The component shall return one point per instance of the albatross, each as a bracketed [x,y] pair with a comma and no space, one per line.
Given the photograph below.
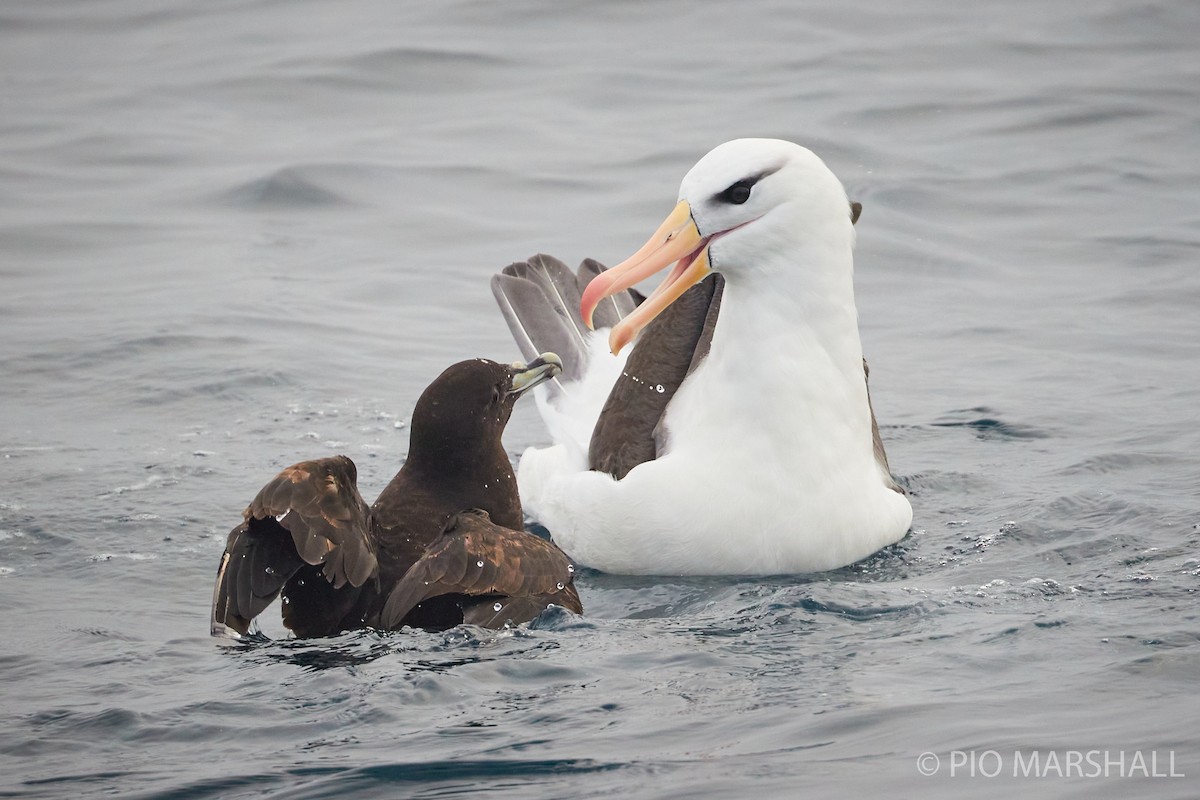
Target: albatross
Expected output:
[736,435]
[443,544]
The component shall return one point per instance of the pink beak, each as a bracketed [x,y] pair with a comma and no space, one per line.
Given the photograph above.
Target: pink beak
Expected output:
[676,241]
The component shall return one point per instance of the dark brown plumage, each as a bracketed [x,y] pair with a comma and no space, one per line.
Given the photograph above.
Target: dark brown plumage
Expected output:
[443,544]
[628,431]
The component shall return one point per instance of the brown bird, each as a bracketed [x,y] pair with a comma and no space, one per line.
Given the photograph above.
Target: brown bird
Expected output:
[444,544]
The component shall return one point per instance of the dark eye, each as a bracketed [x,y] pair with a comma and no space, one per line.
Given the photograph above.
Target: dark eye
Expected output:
[738,193]
[496,395]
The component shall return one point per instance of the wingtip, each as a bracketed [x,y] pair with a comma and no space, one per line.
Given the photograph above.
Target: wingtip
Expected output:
[224,622]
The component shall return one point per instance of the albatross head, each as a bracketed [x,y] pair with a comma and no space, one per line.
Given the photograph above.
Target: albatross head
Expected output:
[741,209]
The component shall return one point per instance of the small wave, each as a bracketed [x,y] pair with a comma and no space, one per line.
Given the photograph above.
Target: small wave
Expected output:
[143,516]
[859,613]
[289,187]
[1108,463]
[151,481]
[387,780]
[986,423]
[962,484]
[1096,509]
[237,385]
[394,60]
[100,557]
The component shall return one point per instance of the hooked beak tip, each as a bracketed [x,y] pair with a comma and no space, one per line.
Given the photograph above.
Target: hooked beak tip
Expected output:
[539,370]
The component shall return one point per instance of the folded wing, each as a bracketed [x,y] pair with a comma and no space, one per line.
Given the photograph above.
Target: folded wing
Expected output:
[484,574]
[629,429]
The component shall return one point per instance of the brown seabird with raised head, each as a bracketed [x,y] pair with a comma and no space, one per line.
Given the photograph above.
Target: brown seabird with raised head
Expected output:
[444,544]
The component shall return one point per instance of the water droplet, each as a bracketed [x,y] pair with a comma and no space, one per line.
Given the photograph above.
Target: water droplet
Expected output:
[287,600]
[659,388]
[560,586]
[300,582]
[498,606]
[270,570]
[571,568]
[479,563]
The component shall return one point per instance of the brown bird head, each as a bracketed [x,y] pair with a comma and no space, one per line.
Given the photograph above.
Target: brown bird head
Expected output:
[462,414]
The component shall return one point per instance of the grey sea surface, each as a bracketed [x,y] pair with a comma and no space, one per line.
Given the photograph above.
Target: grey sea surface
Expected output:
[235,235]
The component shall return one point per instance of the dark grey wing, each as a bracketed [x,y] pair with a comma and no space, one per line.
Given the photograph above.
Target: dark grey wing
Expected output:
[540,298]
[309,516]
[540,302]
[477,564]
[876,439]
[628,431]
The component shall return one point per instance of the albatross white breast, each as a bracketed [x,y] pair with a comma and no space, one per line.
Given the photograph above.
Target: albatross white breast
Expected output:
[766,459]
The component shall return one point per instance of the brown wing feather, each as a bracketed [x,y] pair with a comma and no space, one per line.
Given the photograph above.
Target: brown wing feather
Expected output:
[310,513]
[258,560]
[484,612]
[318,503]
[476,557]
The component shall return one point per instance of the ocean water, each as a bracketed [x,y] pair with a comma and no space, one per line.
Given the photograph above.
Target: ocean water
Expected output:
[238,234]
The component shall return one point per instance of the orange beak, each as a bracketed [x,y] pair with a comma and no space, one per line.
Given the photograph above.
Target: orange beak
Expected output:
[676,240]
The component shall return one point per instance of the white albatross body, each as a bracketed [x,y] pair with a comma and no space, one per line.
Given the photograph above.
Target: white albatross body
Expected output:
[769,464]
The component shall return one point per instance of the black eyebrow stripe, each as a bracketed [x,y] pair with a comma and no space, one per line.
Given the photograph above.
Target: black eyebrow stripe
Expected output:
[765,173]
[751,180]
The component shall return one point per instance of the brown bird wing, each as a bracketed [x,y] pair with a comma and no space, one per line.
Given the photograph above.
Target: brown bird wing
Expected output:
[482,611]
[310,513]
[477,558]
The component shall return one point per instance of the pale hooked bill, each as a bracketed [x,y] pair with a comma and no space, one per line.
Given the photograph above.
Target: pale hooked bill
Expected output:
[735,435]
